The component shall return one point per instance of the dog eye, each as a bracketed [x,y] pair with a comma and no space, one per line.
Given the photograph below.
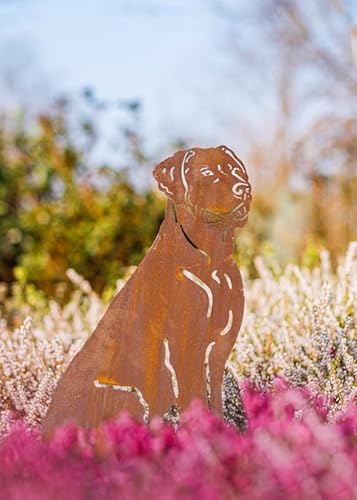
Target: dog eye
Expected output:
[207,173]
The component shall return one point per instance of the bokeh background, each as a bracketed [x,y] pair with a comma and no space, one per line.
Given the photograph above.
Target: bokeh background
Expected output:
[94,93]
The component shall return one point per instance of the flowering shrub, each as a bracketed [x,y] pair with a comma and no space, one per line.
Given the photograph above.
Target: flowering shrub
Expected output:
[299,327]
[288,451]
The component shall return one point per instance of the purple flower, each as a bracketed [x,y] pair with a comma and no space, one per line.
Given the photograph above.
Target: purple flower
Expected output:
[288,451]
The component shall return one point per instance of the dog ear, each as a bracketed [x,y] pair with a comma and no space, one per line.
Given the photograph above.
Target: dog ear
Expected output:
[169,178]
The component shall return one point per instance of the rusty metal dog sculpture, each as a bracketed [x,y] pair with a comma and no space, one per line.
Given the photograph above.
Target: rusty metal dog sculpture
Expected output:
[166,336]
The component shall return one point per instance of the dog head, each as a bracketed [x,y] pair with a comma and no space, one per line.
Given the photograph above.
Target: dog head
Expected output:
[213,182]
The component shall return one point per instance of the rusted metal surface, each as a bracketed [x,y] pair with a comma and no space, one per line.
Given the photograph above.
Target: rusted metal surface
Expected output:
[166,336]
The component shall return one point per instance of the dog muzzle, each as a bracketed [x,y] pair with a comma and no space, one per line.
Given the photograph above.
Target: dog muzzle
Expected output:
[235,217]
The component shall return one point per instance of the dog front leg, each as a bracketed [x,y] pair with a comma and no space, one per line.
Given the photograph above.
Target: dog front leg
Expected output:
[214,367]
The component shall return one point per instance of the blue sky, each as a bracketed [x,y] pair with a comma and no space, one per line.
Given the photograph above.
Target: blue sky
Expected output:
[173,55]
[167,57]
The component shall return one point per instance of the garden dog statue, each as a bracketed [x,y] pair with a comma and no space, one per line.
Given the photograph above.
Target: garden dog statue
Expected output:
[166,336]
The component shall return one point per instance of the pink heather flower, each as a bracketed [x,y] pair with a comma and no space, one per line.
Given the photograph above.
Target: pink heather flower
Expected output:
[288,451]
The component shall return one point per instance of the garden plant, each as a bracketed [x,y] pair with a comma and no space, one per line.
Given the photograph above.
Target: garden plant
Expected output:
[290,416]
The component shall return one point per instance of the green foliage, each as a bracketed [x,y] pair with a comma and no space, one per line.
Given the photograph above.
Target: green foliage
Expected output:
[55,213]
[60,210]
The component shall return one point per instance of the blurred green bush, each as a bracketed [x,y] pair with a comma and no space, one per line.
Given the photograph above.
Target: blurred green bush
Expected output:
[56,213]
[58,210]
